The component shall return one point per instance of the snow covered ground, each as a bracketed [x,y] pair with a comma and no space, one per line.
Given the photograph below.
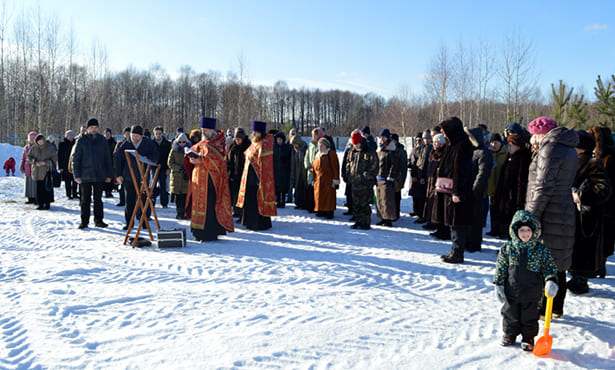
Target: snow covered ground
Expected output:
[307,294]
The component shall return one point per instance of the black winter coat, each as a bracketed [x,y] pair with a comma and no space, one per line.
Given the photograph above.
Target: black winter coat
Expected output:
[91,159]
[456,163]
[164,148]
[512,184]
[235,160]
[64,150]
[282,155]
[549,198]
[592,184]
[147,149]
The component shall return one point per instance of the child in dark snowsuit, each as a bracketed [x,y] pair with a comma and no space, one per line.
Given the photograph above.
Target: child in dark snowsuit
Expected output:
[9,165]
[524,265]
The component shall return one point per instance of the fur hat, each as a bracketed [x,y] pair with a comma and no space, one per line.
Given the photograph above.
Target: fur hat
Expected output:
[542,125]
[356,138]
[136,129]
[209,123]
[195,136]
[426,134]
[586,141]
[92,122]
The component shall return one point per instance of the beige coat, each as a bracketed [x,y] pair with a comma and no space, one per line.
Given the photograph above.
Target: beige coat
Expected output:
[48,154]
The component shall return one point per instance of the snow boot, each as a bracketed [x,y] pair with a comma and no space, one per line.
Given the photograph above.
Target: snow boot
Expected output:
[507,340]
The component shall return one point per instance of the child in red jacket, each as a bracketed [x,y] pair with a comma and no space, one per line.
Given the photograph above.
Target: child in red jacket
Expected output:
[9,166]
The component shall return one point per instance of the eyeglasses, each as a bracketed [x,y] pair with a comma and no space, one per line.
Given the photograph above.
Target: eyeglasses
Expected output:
[183,142]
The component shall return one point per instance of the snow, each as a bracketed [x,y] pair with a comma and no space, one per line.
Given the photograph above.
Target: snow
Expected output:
[308,294]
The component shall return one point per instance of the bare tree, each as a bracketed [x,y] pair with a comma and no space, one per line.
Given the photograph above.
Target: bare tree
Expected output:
[517,73]
[437,81]
[485,71]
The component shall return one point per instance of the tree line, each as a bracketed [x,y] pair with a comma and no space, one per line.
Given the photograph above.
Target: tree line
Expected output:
[49,84]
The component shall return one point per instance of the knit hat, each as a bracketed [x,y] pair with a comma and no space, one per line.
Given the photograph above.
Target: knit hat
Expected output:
[519,225]
[69,132]
[259,126]
[182,137]
[512,128]
[92,122]
[394,137]
[495,137]
[32,133]
[127,129]
[296,140]
[179,129]
[440,139]
[136,129]
[356,138]
[280,135]
[209,123]
[542,125]
[386,133]
[108,130]
[586,141]
[39,137]
[426,134]
[366,130]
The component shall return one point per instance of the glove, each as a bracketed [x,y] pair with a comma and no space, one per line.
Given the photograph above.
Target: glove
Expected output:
[551,289]
[499,292]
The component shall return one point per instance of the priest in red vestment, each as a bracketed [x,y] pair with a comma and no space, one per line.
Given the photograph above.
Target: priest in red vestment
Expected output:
[257,189]
[211,200]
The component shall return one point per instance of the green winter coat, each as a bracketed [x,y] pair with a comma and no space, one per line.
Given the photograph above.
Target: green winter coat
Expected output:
[498,158]
[539,258]
[179,182]
[362,166]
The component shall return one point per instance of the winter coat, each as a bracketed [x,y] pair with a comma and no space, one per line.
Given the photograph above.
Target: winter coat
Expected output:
[605,149]
[64,150]
[482,163]
[345,159]
[456,163]
[178,183]
[594,189]
[111,143]
[402,163]
[9,164]
[433,162]
[164,148]
[25,166]
[146,149]
[388,170]
[512,184]
[47,154]
[91,160]
[236,159]
[549,198]
[499,158]
[326,177]
[417,165]
[310,154]
[282,155]
[371,143]
[299,173]
[362,166]
[330,140]
[523,267]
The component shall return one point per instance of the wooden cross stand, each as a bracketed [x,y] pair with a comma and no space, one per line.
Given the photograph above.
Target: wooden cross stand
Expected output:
[141,188]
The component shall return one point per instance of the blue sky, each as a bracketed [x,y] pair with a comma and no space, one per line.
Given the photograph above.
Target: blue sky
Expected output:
[362,46]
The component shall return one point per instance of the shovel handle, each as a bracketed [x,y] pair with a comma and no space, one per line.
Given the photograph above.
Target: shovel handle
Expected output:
[548,312]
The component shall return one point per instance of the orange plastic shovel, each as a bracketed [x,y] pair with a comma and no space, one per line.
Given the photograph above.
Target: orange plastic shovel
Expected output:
[543,345]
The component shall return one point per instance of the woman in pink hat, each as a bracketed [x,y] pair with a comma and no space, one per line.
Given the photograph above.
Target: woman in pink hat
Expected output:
[549,195]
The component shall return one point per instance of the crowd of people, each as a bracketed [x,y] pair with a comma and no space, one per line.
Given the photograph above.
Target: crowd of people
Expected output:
[545,187]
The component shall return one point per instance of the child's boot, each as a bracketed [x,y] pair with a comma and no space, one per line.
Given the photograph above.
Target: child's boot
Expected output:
[507,340]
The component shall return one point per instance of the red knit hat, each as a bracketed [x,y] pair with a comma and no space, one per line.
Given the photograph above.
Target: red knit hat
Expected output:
[356,138]
[542,125]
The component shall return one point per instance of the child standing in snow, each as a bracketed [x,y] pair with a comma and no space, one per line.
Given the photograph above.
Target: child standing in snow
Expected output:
[523,265]
[9,166]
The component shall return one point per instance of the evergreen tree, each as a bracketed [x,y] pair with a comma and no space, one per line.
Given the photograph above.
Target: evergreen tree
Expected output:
[606,101]
[559,106]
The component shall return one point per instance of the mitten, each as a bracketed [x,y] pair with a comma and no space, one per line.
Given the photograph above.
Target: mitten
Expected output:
[499,292]
[551,289]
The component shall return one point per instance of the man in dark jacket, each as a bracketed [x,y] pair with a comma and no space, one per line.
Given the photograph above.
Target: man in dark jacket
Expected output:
[164,147]
[146,148]
[120,187]
[92,168]
[371,142]
[402,160]
[64,149]
[108,187]
[282,155]
[453,207]
[482,163]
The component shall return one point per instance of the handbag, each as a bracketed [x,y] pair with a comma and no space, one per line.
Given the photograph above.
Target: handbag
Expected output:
[444,185]
[55,177]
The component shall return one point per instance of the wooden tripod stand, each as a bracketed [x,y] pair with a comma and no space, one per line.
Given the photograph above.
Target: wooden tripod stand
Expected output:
[140,188]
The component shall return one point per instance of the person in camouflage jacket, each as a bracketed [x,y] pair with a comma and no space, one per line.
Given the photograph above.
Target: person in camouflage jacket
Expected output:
[361,169]
[522,268]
